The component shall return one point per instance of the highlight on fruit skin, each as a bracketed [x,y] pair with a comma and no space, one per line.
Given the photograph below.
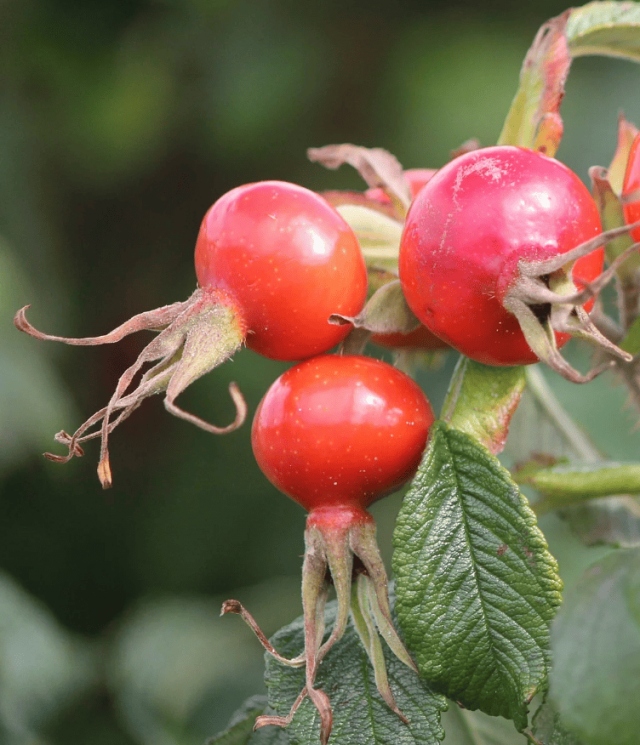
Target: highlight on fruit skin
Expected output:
[336,433]
[501,257]
[273,260]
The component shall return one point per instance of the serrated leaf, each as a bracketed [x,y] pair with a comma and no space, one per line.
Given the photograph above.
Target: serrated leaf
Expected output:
[548,728]
[359,713]
[482,399]
[240,729]
[606,28]
[464,727]
[476,585]
[595,682]
[269,736]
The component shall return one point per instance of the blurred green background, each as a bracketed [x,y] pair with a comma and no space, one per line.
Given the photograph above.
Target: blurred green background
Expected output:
[121,121]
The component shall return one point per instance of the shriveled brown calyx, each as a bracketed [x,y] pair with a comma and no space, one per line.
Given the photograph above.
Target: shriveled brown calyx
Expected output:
[340,549]
[547,286]
[194,337]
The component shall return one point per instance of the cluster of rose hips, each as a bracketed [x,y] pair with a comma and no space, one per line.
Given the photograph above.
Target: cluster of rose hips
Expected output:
[500,258]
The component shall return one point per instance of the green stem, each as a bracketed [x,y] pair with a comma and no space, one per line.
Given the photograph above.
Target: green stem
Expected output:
[565,486]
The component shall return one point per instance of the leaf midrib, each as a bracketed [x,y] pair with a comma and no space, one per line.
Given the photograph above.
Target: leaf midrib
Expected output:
[471,551]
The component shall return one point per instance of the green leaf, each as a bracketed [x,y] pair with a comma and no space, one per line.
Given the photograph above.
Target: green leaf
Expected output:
[481,401]
[379,235]
[595,682]
[548,728]
[534,114]
[464,727]
[563,485]
[476,586]
[359,713]
[240,728]
[603,28]
[611,29]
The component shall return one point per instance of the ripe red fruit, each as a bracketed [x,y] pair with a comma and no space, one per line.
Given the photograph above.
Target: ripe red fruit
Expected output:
[286,260]
[273,262]
[335,434]
[482,257]
[340,431]
[631,187]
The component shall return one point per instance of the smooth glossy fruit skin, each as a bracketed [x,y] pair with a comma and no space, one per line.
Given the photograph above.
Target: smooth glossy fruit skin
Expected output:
[417,178]
[288,261]
[632,184]
[341,431]
[467,230]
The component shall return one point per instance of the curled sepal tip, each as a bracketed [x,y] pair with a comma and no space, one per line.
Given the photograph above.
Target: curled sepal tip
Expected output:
[340,543]
[546,302]
[194,337]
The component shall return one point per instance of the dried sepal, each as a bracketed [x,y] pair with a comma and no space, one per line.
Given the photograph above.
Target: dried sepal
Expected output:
[333,539]
[548,284]
[194,337]
[378,168]
[386,312]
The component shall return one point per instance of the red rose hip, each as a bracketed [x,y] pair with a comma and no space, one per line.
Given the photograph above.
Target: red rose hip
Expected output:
[496,249]
[340,431]
[336,433]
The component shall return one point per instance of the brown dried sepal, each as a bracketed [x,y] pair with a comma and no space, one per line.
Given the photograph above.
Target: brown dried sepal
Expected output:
[378,168]
[333,538]
[194,337]
[386,312]
[549,283]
